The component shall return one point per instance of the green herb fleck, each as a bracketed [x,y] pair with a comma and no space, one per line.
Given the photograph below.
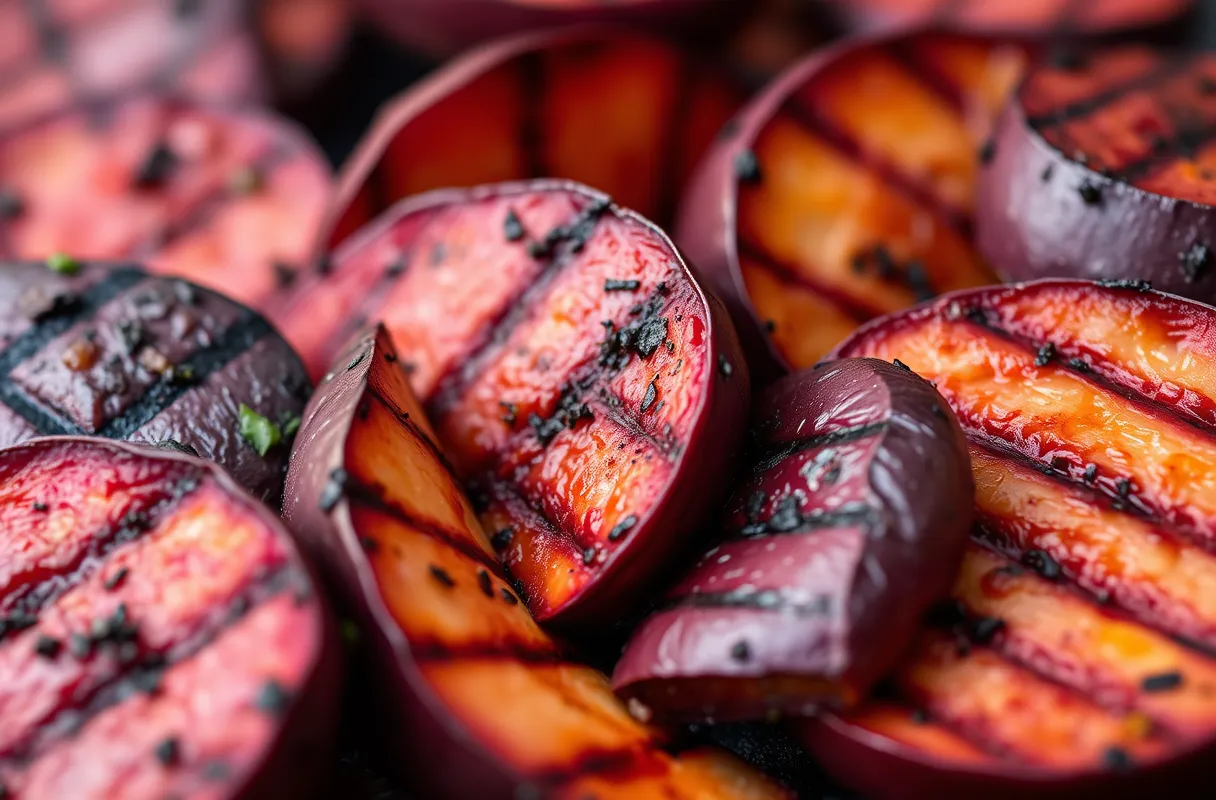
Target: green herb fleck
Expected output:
[259,431]
[63,264]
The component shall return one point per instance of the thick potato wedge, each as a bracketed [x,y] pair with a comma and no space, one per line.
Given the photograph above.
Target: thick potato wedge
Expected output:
[481,702]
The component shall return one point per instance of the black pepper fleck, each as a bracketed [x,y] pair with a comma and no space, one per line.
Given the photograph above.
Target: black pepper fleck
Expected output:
[1116,759]
[1091,193]
[1046,353]
[618,285]
[740,651]
[501,538]
[115,580]
[724,367]
[483,580]
[1162,682]
[589,556]
[11,205]
[1091,473]
[512,227]
[47,646]
[987,152]
[168,752]
[649,398]
[273,698]
[747,167]
[901,365]
[510,598]
[622,527]
[154,170]
[334,490]
[1134,285]
[1042,563]
[441,575]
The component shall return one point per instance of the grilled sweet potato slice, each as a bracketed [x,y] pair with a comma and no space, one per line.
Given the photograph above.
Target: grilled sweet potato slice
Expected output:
[55,54]
[446,28]
[849,526]
[159,634]
[624,113]
[1047,19]
[231,200]
[844,190]
[1078,657]
[484,703]
[1103,167]
[582,384]
[115,352]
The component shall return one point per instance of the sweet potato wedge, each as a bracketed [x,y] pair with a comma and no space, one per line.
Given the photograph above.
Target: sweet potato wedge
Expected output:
[1078,656]
[443,29]
[230,200]
[87,349]
[160,635]
[624,113]
[1044,19]
[1102,168]
[848,528]
[844,190]
[55,54]
[483,702]
[585,388]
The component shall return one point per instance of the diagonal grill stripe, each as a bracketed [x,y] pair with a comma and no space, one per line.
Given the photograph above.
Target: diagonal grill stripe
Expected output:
[248,329]
[26,345]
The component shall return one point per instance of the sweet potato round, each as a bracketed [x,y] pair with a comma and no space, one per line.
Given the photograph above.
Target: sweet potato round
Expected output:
[229,199]
[1077,657]
[161,635]
[1099,170]
[627,114]
[585,387]
[476,700]
[848,525]
[843,191]
[114,352]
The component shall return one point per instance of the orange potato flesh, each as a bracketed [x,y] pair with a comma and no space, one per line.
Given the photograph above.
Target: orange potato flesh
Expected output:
[528,108]
[865,185]
[1095,651]
[481,663]
[1055,415]
[1164,356]
[1014,712]
[76,180]
[1141,567]
[1065,636]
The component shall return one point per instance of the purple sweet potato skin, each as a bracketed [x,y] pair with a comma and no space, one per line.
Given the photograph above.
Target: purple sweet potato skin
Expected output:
[43,314]
[442,28]
[438,757]
[1029,227]
[894,471]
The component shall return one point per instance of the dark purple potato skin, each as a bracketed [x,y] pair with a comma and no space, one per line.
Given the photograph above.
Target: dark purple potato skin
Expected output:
[1029,228]
[883,464]
[443,28]
[231,354]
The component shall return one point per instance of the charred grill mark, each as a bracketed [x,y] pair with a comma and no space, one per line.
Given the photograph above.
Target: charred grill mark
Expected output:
[246,331]
[200,214]
[1191,133]
[927,76]
[374,499]
[142,674]
[776,455]
[532,125]
[626,762]
[853,307]
[1083,108]
[768,600]
[79,309]
[788,519]
[814,123]
[31,598]
[494,335]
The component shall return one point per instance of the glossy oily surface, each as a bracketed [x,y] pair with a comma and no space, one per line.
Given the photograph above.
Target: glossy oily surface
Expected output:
[586,390]
[847,527]
[1077,657]
[161,635]
[482,702]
